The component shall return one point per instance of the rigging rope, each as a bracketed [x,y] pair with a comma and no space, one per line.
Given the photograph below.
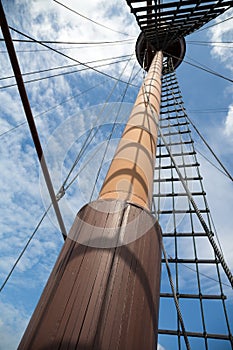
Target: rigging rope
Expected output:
[25,247]
[215,24]
[69,57]
[208,69]
[207,159]
[208,110]
[202,68]
[207,145]
[64,73]
[28,113]
[208,42]
[64,67]
[176,301]
[89,19]
[175,297]
[84,147]
[203,139]
[69,48]
[72,42]
[79,156]
[61,191]
[203,274]
[211,45]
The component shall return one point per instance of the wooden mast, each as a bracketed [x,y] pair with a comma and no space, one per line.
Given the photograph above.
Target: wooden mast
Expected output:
[103,292]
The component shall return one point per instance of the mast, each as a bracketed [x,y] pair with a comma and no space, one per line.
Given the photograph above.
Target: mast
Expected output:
[104,289]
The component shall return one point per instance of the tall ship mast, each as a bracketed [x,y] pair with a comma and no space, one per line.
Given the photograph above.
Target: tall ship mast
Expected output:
[141,266]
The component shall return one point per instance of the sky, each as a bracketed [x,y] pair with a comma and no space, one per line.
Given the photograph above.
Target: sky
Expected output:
[65,108]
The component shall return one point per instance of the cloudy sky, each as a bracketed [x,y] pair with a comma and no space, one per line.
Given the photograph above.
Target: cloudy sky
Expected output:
[66,107]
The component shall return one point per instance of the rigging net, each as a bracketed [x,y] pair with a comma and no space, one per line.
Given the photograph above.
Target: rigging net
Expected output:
[191,258]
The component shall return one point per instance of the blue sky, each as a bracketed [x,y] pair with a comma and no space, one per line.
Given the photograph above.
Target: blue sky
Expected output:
[62,130]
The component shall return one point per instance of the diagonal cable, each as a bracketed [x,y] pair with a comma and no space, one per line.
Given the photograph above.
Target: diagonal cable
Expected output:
[89,19]
[29,116]
[69,57]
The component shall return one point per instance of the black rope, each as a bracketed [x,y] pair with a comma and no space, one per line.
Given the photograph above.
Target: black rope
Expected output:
[66,66]
[208,110]
[207,159]
[208,42]
[211,45]
[209,69]
[84,46]
[59,195]
[63,73]
[70,58]
[86,144]
[72,42]
[215,24]
[204,69]
[89,19]
[209,148]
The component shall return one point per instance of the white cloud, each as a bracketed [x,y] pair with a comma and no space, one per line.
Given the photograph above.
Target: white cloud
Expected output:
[228,127]
[13,320]
[219,34]
[222,34]
[160,347]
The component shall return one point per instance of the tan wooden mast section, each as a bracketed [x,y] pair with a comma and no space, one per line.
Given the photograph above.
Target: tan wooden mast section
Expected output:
[130,176]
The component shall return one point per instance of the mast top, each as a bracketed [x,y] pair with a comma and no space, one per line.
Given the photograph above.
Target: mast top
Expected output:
[145,51]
